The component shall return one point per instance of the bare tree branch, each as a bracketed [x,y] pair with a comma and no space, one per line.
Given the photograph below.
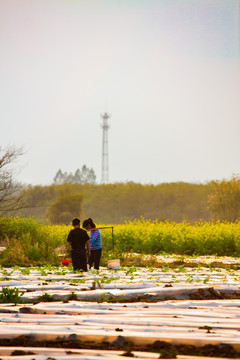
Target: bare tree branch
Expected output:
[10,199]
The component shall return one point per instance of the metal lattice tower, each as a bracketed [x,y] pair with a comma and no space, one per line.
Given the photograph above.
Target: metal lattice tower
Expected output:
[105,128]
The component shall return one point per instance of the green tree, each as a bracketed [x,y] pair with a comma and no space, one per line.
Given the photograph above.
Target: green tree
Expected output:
[224,202]
[66,207]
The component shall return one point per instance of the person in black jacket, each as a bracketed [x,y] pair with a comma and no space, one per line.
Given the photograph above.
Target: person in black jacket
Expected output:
[79,240]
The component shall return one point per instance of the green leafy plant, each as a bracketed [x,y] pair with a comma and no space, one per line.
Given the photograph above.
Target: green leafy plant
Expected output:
[46,298]
[131,270]
[43,272]
[199,267]
[10,295]
[63,272]
[72,296]
[206,280]
[102,298]
[165,268]
[181,269]
[25,271]
[7,273]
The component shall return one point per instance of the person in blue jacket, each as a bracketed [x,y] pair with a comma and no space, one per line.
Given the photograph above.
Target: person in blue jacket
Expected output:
[95,243]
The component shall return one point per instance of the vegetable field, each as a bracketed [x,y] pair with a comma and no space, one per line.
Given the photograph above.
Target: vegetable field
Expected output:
[183,312]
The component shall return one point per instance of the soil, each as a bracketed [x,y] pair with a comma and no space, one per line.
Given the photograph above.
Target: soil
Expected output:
[165,349]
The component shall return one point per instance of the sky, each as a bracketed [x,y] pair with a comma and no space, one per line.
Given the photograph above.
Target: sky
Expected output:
[167,72]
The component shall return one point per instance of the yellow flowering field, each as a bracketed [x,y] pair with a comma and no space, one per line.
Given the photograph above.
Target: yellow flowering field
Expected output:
[27,241]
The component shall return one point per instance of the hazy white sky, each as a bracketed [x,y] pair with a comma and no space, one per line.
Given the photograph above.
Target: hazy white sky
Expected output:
[167,71]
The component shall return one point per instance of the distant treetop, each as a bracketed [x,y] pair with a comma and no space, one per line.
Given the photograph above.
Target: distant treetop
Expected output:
[85,175]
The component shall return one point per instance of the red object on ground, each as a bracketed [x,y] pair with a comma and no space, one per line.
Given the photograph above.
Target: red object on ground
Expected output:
[65,262]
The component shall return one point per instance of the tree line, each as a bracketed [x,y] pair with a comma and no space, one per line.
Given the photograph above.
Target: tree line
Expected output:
[118,203]
[85,175]
[79,195]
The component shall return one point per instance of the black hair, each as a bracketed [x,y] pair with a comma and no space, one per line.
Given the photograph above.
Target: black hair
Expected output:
[87,222]
[76,221]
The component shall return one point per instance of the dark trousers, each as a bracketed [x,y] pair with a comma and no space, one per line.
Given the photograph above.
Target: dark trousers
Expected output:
[94,258]
[79,259]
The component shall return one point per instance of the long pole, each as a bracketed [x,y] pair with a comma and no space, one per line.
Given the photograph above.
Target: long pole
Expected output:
[99,228]
[104,227]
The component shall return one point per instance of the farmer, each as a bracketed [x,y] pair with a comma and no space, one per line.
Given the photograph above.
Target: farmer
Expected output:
[78,239]
[95,244]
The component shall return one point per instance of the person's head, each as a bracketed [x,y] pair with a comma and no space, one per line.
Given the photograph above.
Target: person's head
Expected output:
[88,224]
[76,222]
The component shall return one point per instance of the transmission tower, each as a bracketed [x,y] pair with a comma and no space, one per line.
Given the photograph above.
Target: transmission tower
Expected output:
[105,128]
